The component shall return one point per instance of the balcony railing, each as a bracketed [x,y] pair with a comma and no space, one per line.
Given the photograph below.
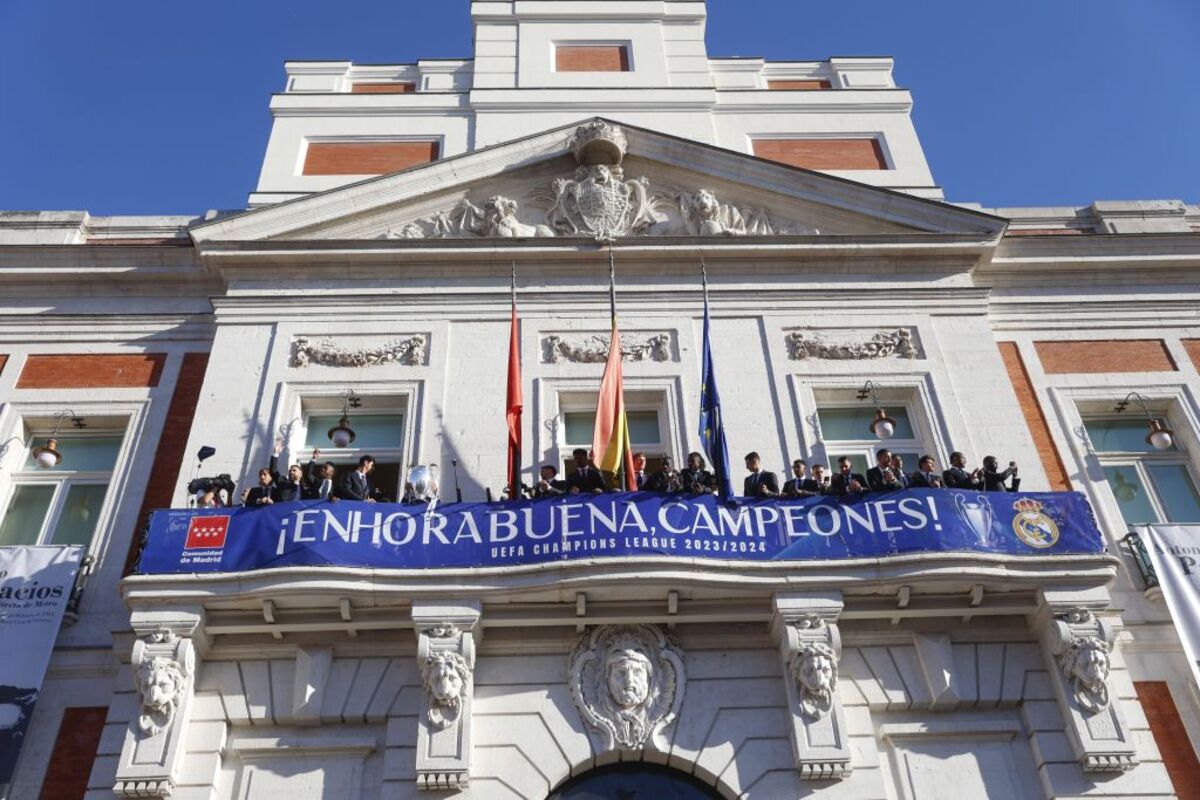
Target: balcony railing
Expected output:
[1137,549]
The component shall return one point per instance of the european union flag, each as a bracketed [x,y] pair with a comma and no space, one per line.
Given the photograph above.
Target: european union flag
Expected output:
[712,426]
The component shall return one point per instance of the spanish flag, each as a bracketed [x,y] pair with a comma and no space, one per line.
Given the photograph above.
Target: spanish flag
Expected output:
[610,440]
[513,402]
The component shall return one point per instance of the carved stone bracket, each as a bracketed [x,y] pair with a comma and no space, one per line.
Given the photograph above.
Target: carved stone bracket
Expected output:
[592,348]
[1077,644]
[411,351]
[163,661]
[446,638]
[805,344]
[628,683]
[805,628]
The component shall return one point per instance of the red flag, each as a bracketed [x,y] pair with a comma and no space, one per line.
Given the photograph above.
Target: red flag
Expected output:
[513,407]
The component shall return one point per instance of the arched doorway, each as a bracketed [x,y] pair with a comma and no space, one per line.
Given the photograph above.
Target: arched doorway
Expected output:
[634,781]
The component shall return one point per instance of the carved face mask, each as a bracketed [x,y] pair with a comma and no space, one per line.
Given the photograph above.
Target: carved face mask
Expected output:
[816,673]
[628,679]
[446,683]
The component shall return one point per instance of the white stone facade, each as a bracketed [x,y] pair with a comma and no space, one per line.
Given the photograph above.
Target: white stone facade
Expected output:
[943,674]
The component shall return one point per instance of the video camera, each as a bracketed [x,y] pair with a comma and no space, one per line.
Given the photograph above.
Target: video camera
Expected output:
[215,484]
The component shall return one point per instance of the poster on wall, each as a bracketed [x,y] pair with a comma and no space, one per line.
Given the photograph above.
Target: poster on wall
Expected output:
[35,587]
[1175,552]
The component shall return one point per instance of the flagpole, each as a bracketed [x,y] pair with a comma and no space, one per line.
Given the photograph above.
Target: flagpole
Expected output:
[612,286]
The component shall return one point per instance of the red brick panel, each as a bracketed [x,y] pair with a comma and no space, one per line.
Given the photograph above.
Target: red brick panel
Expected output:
[74,750]
[1179,757]
[1114,355]
[1046,232]
[591,58]
[3,361]
[801,85]
[1018,375]
[169,457]
[86,371]
[823,153]
[383,88]
[366,158]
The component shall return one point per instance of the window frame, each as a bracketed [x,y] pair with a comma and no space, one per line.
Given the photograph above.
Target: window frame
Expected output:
[869,445]
[626,45]
[1140,462]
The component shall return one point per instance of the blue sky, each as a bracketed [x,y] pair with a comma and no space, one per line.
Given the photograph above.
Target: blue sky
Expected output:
[152,106]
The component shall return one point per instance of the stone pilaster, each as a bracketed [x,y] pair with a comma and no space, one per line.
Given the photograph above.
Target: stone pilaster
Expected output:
[1077,643]
[163,661]
[446,637]
[805,628]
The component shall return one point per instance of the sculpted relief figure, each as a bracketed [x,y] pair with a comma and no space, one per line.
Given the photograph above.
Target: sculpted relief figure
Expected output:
[1085,662]
[816,672]
[446,675]
[161,683]
[496,218]
[627,681]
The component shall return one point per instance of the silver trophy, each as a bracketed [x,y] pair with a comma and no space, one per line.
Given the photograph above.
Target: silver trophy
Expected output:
[977,513]
[424,481]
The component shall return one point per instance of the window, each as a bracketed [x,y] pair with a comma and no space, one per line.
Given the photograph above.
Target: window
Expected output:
[367,157]
[61,505]
[591,58]
[394,87]
[378,423]
[1148,485]
[646,430]
[857,153]
[846,431]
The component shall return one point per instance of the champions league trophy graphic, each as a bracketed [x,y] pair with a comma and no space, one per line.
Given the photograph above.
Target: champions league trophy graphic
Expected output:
[977,513]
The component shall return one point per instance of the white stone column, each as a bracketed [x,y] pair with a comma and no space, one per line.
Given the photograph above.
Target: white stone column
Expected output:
[805,628]
[446,637]
[1076,643]
[164,673]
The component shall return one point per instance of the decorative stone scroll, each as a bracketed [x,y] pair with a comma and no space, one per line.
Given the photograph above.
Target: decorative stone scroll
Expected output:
[804,344]
[1077,644]
[446,659]
[628,684]
[593,348]
[599,202]
[409,352]
[810,645]
[163,661]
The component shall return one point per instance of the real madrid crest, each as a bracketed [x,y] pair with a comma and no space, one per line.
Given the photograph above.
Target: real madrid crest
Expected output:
[1033,526]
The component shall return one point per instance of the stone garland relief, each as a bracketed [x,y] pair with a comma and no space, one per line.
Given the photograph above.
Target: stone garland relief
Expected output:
[804,344]
[411,351]
[599,202]
[593,348]
[628,683]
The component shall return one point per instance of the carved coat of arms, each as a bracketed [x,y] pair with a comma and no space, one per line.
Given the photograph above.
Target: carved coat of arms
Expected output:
[599,202]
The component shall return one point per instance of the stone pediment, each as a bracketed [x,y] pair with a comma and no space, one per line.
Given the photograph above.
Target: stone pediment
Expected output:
[601,181]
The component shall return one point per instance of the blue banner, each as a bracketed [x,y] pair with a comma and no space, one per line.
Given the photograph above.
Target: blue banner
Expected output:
[391,536]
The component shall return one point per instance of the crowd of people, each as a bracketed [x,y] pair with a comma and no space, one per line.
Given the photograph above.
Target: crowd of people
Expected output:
[318,480]
[887,475]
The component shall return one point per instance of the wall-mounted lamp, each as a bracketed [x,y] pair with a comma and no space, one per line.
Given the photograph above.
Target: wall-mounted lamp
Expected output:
[47,456]
[882,426]
[1160,436]
[342,435]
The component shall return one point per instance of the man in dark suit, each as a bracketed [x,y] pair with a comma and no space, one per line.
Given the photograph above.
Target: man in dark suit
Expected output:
[695,478]
[881,478]
[667,480]
[821,478]
[847,481]
[898,471]
[290,488]
[321,484]
[639,470]
[799,485]
[994,480]
[926,476]
[957,476]
[759,483]
[356,485]
[586,479]
[549,485]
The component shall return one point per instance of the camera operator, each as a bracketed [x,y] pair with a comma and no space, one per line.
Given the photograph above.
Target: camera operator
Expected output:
[212,492]
[994,480]
[957,476]
[695,478]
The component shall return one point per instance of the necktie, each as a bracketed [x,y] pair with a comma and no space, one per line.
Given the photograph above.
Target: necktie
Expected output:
[325,487]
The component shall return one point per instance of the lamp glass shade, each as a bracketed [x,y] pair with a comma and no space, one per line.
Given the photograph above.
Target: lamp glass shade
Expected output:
[47,456]
[342,435]
[883,426]
[1159,438]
